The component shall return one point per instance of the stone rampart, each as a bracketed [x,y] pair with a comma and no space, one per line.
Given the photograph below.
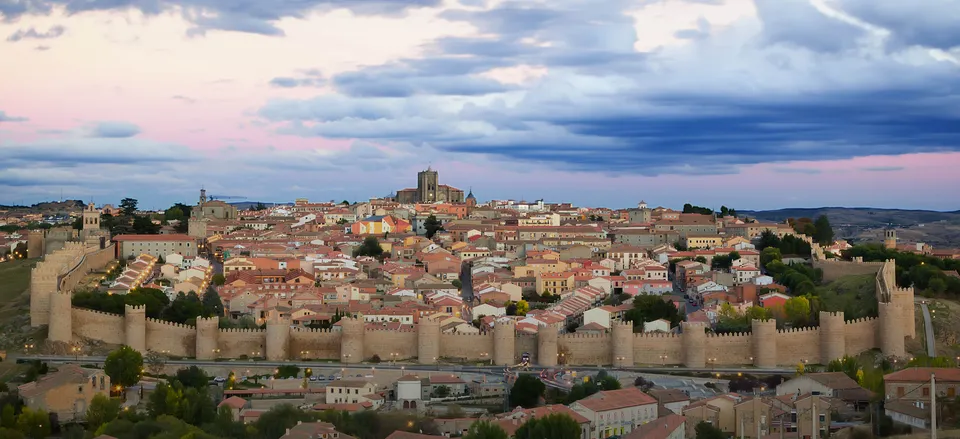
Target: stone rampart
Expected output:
[62,270]
[354,342]
[322,344]
[236,342]
[834,269]
[96,325]
[473,347]
[171,338]
[390,344]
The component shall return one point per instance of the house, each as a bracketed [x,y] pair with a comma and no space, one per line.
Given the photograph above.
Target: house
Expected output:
[314,430]
[66,392]
[913,384]
[353,392]
[456,385]
[833,384]
[236,405]
[616,412]
[671,399]
[512,421]
[668,427]
[409,391]
[915,414]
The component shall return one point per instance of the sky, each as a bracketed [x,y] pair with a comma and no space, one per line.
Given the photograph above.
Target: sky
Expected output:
[753,104]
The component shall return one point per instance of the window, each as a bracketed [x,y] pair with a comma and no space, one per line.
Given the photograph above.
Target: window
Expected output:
[926,391]
[80,389]
[951,392]
[900,391]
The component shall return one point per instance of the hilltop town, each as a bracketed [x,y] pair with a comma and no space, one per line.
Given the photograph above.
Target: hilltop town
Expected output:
[430,305]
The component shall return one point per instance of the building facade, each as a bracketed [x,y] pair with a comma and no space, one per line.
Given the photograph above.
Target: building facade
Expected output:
[429,190]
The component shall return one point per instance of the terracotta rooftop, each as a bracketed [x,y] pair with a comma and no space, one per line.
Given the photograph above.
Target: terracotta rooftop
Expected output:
[920,374]
[660,428]
[173,237]
[616,399]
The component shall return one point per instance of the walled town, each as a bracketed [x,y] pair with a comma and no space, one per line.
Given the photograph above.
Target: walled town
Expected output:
[439,315]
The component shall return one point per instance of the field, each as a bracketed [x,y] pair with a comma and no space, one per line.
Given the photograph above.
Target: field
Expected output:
[14,282]
[946,326]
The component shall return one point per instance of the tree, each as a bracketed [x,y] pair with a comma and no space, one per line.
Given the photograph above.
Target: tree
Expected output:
[797,310]
[456,283]
[124,366]
[523,307]
[486,430]
[721,262]
[34,424]
[102,410]
[193,376]
[705,430]
[526,391]
[824,232]
[212,305]
[128,206]
[552,426]
[155,362]
[9,418]
[173,213]
[370,247]
[275,422]
[769,255]
[78,223]
[219,279]
[143,225]
[441,392]
[432,226]
[647,308]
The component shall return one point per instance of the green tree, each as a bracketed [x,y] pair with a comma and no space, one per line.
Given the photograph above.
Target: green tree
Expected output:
[432,226]
[102,410]
[9,433]
[441,392]
[128,206]
[34,424]
[456,283]
[797,310]
[824,232]
[173,213]
[8,419]
[552,426]
[526,391]
[219,279]
[647,308]
[721,262]
[523,307]
[155,362]
[769,255]
[275,422]
[370,247]
[193,376]
[486,430]
[78,223]
[143,225]
[124,366]
[705,430]
[212,304]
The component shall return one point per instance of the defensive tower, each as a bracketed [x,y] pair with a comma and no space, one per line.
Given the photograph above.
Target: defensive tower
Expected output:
[428,340]
[622,344]
[833,342]
[504,343]
[135,327]
[61,317]
[764,342]
[547,350]
[351,343]
[208,334]
[694,342]
[278,336]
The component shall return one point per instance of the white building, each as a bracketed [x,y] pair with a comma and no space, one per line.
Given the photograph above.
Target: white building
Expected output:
[616,412]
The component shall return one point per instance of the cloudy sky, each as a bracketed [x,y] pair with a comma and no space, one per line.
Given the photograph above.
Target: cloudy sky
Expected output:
[750,103]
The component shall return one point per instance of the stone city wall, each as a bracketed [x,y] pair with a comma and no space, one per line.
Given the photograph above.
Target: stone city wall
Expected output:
[834,269]
[764,346]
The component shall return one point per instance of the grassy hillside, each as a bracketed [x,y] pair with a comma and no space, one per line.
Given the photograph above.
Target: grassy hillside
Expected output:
[854,295]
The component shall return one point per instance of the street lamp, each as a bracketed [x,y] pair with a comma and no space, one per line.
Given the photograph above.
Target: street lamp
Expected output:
[712,362]
[663,359]
[216,354]
[76,353]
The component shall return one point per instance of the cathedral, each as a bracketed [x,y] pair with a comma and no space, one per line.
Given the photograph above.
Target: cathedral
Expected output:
[429,190]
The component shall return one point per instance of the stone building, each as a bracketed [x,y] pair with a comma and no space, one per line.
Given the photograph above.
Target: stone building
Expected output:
[207,210]
[429,190]
[66,392]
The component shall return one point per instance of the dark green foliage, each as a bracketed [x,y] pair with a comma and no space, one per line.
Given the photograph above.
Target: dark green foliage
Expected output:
[823,232]
[212,305]
[552,426]
[128,206]
[432,226]
[186,307]
[154,300]
[788,245]
[193,376]
[648,308]
[689,208]
[526,391]
[287,371]
[102,410]
[705,430]
[925,273]
[592,385]
[124,366]
[486,430]
[143,225]
[799,278]
[370,247]
[724,211]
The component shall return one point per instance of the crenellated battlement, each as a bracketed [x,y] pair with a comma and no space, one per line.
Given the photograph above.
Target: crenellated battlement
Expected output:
[831,314]
[171,324]
[656,335]
[806,329]
[243,331]
[91,311]
[861,320]
[311,330]
[577,335]
[387,329]
[131,309]
[729,335]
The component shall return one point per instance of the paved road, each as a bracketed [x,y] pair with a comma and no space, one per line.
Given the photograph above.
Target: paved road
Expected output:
[928,325]
[491,370]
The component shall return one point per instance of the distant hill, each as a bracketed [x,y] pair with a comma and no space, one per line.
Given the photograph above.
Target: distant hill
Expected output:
[864,224]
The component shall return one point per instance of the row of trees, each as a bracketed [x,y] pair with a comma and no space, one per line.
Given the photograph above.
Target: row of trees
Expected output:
[185,308]
[923,272]
[724,210]
[788,245]
[820,229]
[647,308]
